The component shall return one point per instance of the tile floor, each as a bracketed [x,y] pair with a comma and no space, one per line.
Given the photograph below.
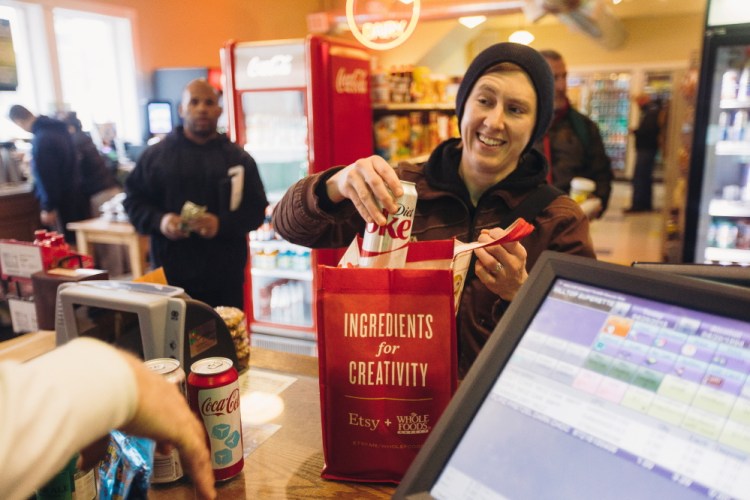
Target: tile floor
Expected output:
[621,238]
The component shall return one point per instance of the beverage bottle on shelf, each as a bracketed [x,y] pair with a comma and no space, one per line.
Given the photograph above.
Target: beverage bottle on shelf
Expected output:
[723,126]
[263,309]
[739,125]
[730,84]
[298,302]
[743,88]
[40,235]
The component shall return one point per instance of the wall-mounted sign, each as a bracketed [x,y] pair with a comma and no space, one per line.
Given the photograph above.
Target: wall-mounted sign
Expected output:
[385,34]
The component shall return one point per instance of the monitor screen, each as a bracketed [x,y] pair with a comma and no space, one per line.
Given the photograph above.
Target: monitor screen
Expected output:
[621,382]
[615,388]
[159,114]
[116,327]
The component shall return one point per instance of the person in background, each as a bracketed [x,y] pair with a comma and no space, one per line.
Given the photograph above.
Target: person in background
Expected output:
[469,188]
[204,253]
[646,146]
[69,399]
[57,180]
[98,183]
[573,145]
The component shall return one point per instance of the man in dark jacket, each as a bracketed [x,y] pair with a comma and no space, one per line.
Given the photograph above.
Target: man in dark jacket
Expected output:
[57,180]
[573,145]
[646,147]
[99,185]
[206,253]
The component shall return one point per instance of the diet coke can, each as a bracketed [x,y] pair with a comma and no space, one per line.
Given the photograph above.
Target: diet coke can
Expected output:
[167,468]
[386,246]
[214,395]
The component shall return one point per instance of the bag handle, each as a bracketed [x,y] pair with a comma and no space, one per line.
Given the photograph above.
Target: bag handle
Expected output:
[519,229]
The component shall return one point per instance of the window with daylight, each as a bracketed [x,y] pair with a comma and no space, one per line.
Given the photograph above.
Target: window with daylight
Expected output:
[83,61]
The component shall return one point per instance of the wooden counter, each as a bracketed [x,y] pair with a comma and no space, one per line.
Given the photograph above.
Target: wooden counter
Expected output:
[287,464]
[100,230]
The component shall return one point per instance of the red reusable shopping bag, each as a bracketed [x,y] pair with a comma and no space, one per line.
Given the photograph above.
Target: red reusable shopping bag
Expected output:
[387,358]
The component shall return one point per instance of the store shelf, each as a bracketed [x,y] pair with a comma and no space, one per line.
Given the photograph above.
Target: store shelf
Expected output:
[282,274]
[727,255]
[734,104]
[729,208]
[414,106]
[738,148]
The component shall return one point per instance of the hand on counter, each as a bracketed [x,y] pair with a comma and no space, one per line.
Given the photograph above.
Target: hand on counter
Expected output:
[95,388]
[162,414]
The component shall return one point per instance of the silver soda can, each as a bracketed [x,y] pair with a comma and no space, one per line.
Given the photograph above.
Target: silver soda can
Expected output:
[168,468]
[386,246]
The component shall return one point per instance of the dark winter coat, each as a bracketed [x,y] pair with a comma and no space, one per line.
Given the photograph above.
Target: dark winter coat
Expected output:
[444,211]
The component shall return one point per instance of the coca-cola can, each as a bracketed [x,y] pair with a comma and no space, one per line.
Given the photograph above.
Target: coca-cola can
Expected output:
[386,246]
[214,395]
[167,467]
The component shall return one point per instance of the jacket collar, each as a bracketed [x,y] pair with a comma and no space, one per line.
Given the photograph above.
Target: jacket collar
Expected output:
[441,171]
[178,136]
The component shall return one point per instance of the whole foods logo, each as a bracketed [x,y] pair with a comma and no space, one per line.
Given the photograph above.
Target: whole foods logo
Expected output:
[382,35]
[413,424]
[221,406]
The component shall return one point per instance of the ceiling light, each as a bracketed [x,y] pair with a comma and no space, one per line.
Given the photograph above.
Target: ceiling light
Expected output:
[521,36]
[472,21]
[407,2]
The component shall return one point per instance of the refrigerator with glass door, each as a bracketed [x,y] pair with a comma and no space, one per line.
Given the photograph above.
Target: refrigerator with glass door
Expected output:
[717,212]
[298,107]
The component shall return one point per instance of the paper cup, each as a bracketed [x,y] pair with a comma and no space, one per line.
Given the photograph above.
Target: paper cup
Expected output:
[581,188]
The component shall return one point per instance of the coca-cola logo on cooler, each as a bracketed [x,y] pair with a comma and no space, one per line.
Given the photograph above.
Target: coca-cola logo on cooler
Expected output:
[278,65]
[221,406]
[354,82]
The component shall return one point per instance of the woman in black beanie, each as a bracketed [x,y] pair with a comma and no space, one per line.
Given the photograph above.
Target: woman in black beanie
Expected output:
[469,188]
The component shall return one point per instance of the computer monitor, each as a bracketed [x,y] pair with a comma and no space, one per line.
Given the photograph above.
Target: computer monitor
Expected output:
[159,117]
[600,381]
[150,320]
[729,274]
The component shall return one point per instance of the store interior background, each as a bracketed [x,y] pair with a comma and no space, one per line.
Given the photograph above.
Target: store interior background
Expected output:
[660,36]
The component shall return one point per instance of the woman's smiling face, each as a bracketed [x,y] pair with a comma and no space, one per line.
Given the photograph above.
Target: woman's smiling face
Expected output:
[497,124]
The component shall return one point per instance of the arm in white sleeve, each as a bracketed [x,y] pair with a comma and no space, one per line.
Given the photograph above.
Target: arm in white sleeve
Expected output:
[54,405]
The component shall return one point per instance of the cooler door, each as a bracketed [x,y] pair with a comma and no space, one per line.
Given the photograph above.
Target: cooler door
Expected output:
[280,277]
[719,199]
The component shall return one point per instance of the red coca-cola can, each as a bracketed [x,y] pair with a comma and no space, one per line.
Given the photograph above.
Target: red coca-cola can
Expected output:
[386,246]
[214,395]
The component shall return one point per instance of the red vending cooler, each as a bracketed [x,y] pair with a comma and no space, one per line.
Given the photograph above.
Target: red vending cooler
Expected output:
[298,107]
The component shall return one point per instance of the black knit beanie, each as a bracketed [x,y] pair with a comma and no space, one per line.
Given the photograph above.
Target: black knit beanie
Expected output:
[532,63]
